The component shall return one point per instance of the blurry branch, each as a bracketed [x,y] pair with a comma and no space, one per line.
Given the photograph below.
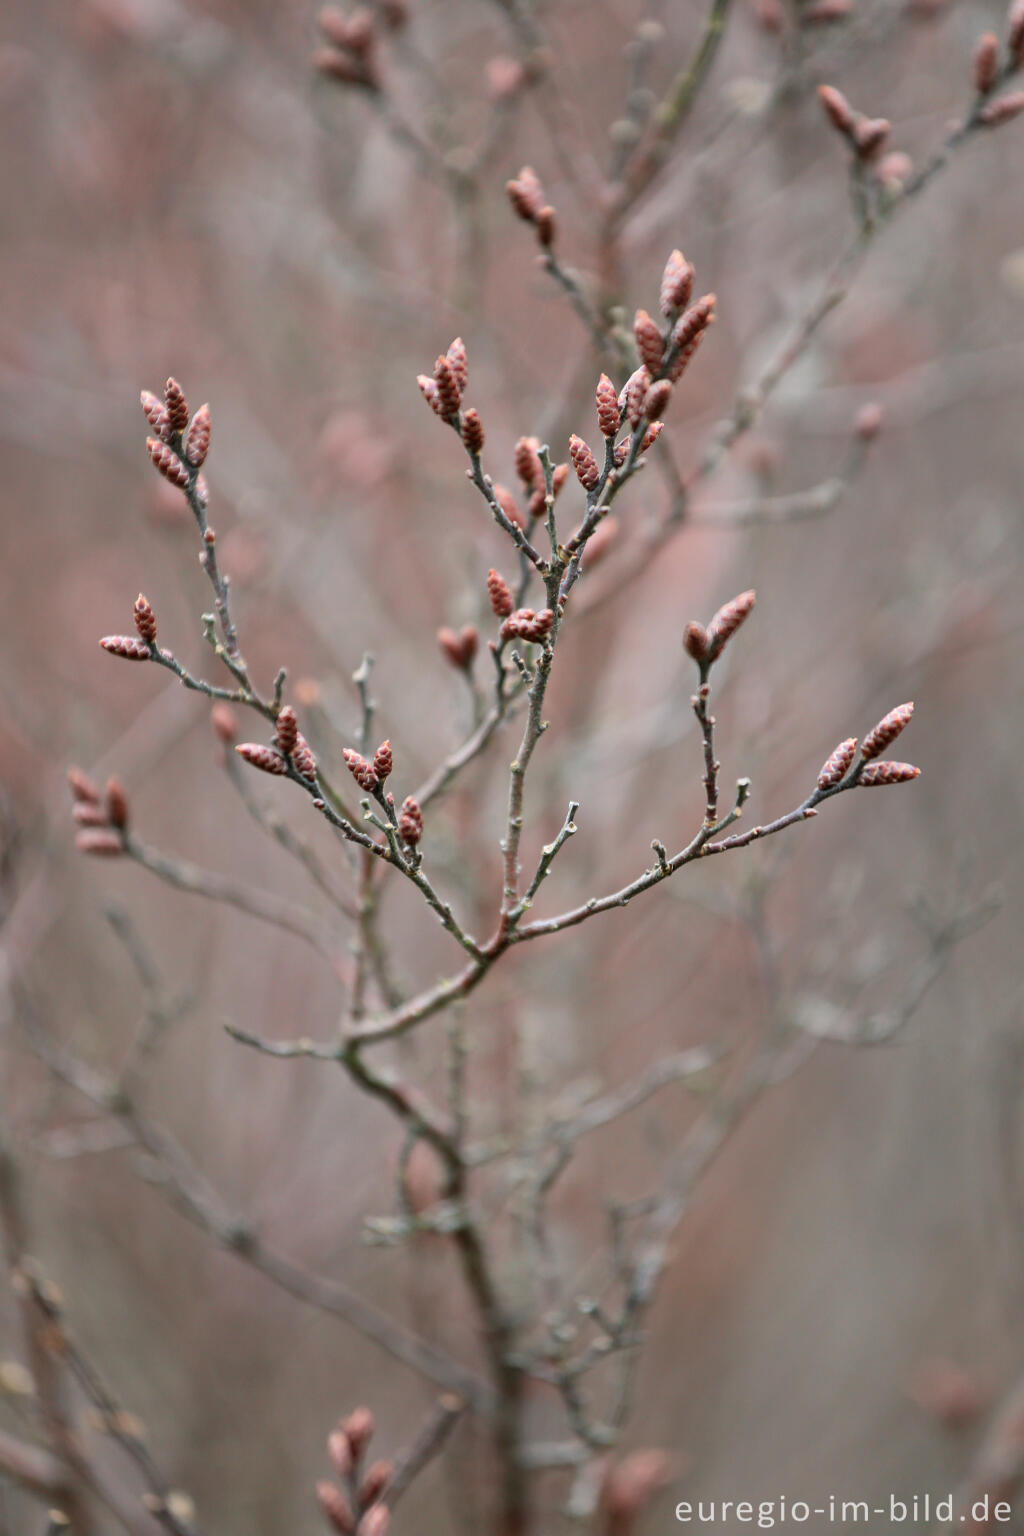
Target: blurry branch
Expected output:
[191,1192]
[427,1444]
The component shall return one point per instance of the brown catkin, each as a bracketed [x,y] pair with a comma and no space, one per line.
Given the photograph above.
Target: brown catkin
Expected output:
[266,759]
[167,462]
[410,822]
[837,764]
[649,340]
[177,406]
[606,399]
[197,438]
[447,385]
[129,646]
[155,412]
[657,399]
[145,619]
[361,770]
[728,620]
[887,773]
[472,432]
[459,360]
[499,594]
[584,463]
[287,733]
[383,761]
[886,731]
[676,285]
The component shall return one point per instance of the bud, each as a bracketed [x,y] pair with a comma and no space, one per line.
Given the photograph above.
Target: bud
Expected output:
[222,718]
[1015,32]
[508,504]
[155,413]
[167,462]
[688,333]
[303,760]
[340,1452]
[584,463]
[410,822]
[633,395]
[447,388]
[870,136]
[676,285]
[459,649]
[696,642]
[374,1484]
[648,338]
[383,761]
[361,770]
[869,421]
[82,787]
[657,399]
[459,361]
[887,773]
[339,66]
[1002,111]
[837,109]
[651,436]
[359,32]
[267,759]
[359,1426]
[528,625]
[472,431]
[86,815]
[117,804]
[526,194]
[501,597]
[145,619]
[886,731]
[607,402]
[177,406]
[128,646]
[527,462]
[336,1507]
[428,389]
[376,1521]
[197,438]
[103,845]
[287,733]
[836,766]
[546,226]
[728,620]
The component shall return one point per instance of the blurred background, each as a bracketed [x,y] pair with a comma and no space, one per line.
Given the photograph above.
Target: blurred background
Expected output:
[182,193]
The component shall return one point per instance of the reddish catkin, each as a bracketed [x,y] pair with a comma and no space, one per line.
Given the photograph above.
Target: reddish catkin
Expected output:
[336,1508]
[383,761]
[197,438]
[360,1424]
[887,773]
[526,194]
[688,330]
[410,822]
[676,285]
[116,801]
[986,62]
[145,619]
[225,726]
[584,463]
[546,225]
[374,1484]
[448,395]
[82,788]
[836,765]
[303,760]
[376,1521]
[155,412]
[167,462]
[128,646]
[340,1452]
[728,620]
[870,136]
[287,733]
[472,431]
[508,504]
[500,595]
[634,394]
[361,770]
[266,759]
[606,399]
[428,389]
[1002,111]
[104,845]
[837,109]
[696,642]
[90,815]
[649,340]
[527,463]
[1015,32]
[886,731]
[177,406]
[657,399]
[651,436]
[459,360]
[457,648]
